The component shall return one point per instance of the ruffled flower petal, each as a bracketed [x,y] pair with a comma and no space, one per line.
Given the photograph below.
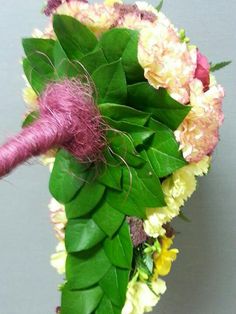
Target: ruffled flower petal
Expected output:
[58,260]
[140,298]
[199,133]
[177,189]
[58,218]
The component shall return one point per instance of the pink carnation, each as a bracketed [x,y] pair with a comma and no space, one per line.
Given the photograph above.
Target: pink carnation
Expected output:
[203,70]
[199,133]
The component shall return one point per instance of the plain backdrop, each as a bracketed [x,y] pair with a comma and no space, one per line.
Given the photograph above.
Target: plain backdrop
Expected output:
[203,279]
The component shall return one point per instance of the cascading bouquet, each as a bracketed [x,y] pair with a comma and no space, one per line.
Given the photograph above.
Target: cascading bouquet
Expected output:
[126,114]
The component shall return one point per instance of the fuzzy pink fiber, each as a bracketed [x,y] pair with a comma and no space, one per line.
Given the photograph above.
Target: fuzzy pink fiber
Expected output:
[68,119]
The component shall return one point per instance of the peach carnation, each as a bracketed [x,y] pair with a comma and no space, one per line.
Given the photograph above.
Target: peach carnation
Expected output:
[97,17]
[199,133]
[167,61]
[58,218]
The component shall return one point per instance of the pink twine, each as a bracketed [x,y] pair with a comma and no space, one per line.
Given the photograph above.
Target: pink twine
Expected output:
[68,118]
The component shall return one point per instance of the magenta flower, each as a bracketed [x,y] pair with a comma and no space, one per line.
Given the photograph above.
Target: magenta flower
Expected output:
[203,70]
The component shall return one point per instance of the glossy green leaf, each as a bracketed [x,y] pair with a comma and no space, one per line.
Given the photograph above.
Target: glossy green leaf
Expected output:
[108,219]
[153,195]
[124,113]
[163,153]
[40,54]
[31,117]
[107,307]
[86,268]
[114,284]
[110,82]
[64,67]
[129,201]
[75,38]
[82,234]
[123,148]
[158,102]
[138,133]
[86,200]
[110,172]
[119,43]
[35,79]
[80,301]
[67,177]
[119,249]
[93,60]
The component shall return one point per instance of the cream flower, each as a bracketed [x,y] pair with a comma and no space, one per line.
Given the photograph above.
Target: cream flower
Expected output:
[58,218]
[58,260]
[167,61]
[140,298]
[177,189]
[199,133]
[97,17]
[30,98]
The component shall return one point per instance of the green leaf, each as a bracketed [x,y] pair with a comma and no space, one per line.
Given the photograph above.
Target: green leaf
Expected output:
[35,79]
[153,195]
[110,172]
[40,54]
[219,66]
[183,217]
[123,148]
[158,102]
[141,190]
[110,82]
[124,113]
[114,284]
[123,44]
[86,200]
[93,60]
[64,67]
[82,302]
[106,306]
[111,176]
[75,38]
[67,177]
[138,133]
[163,153]
[148,261]
[119,249]
[82,234]
[31,117]
[87,268]
[160,5]
[108,219]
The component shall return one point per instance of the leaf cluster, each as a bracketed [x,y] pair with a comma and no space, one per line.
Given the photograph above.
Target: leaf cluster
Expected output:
[141,151]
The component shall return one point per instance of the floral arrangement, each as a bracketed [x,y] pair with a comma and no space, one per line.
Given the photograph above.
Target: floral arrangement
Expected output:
[126,113]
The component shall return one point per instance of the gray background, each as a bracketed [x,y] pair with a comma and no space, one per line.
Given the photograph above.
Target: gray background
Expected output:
[203,279]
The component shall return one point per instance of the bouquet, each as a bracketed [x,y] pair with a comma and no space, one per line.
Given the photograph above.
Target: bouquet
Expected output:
[125,111]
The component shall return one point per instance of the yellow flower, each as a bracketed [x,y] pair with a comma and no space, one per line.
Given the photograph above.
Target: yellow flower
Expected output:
[140,298]
[163,261]
[177,189]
